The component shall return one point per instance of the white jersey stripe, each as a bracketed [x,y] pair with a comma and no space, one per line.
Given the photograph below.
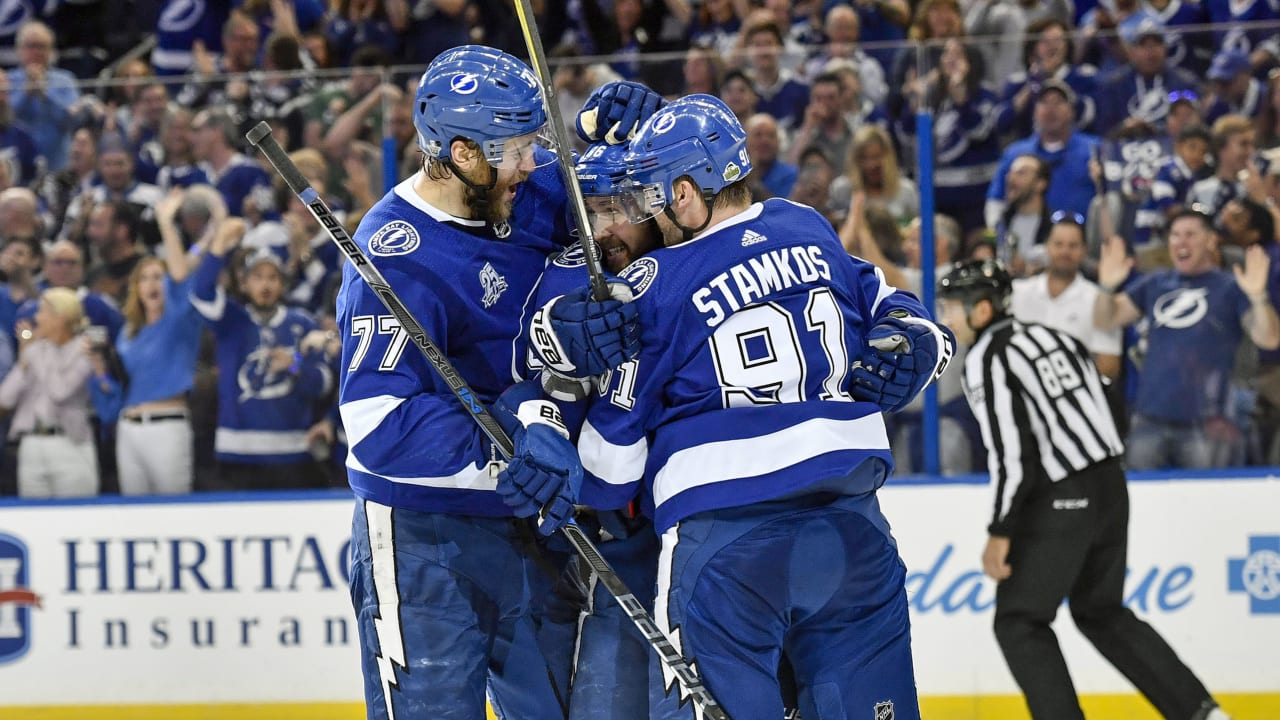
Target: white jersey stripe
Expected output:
[750,456]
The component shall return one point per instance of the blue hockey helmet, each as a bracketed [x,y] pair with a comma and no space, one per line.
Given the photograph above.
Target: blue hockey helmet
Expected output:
[602,175]
[484,95]
[697,135]
[602,169]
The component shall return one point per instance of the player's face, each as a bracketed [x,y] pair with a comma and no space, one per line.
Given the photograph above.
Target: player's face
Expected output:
[620,241]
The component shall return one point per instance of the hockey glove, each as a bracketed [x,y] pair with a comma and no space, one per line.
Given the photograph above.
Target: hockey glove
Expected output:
[616,110]
[904,354]
[544,475]
[577,337]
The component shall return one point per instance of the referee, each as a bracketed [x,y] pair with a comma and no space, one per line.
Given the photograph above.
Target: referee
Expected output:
[1061,509]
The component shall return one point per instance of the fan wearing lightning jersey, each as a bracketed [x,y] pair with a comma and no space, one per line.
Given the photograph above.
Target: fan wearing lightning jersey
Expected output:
[448,585]
[753,438]
[267,386]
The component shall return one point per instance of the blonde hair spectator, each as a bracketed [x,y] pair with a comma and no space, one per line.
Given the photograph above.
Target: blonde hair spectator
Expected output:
[48,392]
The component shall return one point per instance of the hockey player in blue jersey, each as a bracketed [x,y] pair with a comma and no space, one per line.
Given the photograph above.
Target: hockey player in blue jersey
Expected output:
[268,386]
[751,424]
[610,680]
[447,584]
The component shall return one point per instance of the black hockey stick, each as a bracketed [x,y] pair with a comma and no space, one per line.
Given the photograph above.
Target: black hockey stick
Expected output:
[586,237]
[260,137]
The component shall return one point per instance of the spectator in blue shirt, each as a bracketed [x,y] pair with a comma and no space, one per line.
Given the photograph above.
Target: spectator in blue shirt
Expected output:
[773,176]
[1197,316]
[42,95]
[147,396]
[1066,150]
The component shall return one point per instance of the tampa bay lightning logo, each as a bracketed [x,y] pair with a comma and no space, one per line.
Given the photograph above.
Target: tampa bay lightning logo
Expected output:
[13,13]
[395,238]
[640,274]
[1181,308]
[464,84]
[181,15]
[571,257]
[664,123]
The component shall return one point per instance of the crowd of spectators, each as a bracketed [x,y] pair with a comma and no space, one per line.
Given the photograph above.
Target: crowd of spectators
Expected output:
[167,305]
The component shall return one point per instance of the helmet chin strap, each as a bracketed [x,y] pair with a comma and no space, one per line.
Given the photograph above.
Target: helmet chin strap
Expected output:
[687,232]
[479,200]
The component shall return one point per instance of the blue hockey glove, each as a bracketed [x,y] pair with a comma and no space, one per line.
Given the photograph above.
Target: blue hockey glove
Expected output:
[904,354]
[544,475]
[578,337]
[616,110]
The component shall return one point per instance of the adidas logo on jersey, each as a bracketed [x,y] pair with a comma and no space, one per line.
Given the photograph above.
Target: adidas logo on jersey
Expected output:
[752,237]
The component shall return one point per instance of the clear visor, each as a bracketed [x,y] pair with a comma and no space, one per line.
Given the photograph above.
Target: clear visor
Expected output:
[525,152]
[606,212]
[641,202]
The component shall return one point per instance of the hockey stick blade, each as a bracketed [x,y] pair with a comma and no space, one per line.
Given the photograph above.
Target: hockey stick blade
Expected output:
[260,137]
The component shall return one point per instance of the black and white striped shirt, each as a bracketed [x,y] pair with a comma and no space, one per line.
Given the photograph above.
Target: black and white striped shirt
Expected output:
[1039,400]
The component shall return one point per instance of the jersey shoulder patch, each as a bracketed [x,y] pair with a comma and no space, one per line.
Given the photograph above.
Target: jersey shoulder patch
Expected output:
[571,257]
[395,238]
[640,274]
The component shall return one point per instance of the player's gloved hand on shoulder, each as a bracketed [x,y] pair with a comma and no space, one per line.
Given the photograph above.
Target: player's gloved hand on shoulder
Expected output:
[576,336]
[904,354]
[544,475]
[616,110]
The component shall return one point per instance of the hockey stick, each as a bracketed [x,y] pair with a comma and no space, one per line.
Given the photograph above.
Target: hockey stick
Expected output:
[261,138]
[538,58]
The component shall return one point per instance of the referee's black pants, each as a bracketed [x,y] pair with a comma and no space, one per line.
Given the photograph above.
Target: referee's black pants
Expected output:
[1071,543]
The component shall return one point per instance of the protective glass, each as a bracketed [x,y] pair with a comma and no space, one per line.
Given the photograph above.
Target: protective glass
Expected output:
[641,202]
[525,152]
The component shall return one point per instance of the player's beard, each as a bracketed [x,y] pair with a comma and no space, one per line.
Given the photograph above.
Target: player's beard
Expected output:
[494,205]
[671,233]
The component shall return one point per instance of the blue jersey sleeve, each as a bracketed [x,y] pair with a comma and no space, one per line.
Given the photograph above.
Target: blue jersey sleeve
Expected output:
[392,400]
[210,299]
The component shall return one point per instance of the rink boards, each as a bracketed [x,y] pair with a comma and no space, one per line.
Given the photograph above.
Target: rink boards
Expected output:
[236,606]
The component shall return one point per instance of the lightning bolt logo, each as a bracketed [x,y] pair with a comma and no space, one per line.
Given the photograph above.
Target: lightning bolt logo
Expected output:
[386,624]
[1181,308]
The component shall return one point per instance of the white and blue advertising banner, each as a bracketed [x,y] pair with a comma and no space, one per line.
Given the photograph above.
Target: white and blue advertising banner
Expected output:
[244,599]
[1204,570]
[177,602]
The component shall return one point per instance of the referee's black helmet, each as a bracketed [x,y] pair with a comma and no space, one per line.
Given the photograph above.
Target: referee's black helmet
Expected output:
[971,281]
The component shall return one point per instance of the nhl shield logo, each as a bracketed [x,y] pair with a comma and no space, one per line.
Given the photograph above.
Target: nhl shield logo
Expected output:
[884,710]
[16,599]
